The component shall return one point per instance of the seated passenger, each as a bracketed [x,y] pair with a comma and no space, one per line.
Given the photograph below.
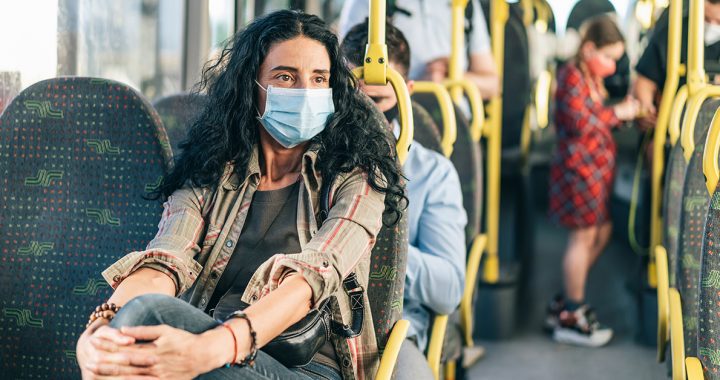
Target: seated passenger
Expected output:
[436,256]
[652,66]
[427,26]
[283,116]
[582,173]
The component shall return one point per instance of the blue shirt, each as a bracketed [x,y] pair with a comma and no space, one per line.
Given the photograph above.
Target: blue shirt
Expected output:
[435,277]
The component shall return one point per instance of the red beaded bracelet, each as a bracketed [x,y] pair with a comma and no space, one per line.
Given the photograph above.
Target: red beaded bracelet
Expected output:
[234,358]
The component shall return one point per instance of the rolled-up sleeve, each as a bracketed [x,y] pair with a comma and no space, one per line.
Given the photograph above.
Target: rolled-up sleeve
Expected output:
[175,245]
[346,236]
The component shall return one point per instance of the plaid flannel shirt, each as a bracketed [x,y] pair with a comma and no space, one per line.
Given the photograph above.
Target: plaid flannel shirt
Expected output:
[200,227]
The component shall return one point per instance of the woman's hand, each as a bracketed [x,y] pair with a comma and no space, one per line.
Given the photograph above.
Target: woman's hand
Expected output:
[628,109]
[437,70]
[103,351]
[180,354]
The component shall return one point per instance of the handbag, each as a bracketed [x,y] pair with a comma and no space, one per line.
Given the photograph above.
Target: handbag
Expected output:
[296,346]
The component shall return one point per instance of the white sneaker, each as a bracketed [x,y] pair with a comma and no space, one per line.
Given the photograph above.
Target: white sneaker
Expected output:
[581,328]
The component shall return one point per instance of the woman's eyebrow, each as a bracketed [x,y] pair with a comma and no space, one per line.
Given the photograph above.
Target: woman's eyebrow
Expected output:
[295,70]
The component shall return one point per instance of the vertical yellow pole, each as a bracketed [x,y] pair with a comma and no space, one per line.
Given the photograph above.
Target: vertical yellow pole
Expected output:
[456,71]
[658,165]
[696,47]
[499,14]
[375,66]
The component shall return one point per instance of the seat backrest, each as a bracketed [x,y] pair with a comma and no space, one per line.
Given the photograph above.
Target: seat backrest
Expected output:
[467,159]
[695,202]
[426,132]
[584,10]
[672,207]
[9,87]
[77,157]
[386,284]
[708,344]
[177,113]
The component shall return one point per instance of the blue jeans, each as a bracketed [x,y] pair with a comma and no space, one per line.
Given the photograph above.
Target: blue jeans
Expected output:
[156,309]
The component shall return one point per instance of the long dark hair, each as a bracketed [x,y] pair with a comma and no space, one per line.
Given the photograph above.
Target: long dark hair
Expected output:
[227,129]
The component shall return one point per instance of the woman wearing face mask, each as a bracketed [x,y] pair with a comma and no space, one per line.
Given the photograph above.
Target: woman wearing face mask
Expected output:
[582,175]
[241,220]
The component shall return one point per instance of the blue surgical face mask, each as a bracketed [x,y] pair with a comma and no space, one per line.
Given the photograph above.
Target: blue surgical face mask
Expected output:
[295,115]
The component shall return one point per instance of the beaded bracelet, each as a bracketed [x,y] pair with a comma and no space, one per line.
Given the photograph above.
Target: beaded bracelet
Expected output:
[250,358]
[105,311]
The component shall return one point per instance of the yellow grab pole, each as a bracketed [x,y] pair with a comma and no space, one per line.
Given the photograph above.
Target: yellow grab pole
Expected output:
[449,132]
[499,13]
[457,48]
[696,47]
[676,114]
[658,165]
[477,108]
[542,98]
[711,169]
[376,51]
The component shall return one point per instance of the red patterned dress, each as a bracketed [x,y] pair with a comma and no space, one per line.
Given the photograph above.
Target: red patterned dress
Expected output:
[583,168]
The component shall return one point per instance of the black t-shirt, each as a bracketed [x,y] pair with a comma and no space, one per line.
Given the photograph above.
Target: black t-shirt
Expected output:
[270,228]
[653,62]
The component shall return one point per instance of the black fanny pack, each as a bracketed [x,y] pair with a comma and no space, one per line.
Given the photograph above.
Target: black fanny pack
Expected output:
[297,345]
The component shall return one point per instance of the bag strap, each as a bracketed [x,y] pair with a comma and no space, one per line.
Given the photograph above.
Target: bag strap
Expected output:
[351,285]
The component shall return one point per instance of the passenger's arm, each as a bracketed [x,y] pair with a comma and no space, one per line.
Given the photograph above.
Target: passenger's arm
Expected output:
[646,92]
[483,73]
[436,262]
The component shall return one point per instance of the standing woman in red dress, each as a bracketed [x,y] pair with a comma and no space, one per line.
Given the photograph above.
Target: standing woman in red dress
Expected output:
[582,174]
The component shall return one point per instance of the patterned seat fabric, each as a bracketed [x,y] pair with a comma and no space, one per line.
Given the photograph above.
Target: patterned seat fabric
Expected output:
[177,113]
[695,203]
[77,157]
[9,87]
[467,159]
[672,207]
[708,344]
[387,279]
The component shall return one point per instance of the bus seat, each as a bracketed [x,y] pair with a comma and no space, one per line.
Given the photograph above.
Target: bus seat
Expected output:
[426,131]
[467,159]
[694,202]
[675,170]
[9,87]
[708,345]
[177,113]
[586,9]
[77,157]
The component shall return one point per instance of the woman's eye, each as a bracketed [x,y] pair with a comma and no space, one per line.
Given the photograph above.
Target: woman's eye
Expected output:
[284,77]
[320,80]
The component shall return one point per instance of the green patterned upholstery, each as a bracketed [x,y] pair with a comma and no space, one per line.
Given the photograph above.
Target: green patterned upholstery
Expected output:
[77,156]
[708,344]
[672,207]
[177,113]
[694,202]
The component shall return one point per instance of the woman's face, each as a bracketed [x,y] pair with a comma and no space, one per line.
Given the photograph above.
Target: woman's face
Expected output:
[608,53]
[297,63]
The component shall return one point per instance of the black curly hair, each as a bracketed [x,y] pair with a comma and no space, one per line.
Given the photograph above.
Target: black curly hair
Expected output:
[227,129]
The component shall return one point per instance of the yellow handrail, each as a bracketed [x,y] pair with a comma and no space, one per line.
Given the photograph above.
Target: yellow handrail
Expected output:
[663,333]
[696,47]
[676,114]
[449,132]
[658,165]
[404,108]
[499,12]
[694,369]
[677,340]
[542,98]
[473,264]
[692,111]
[477,108]
[376,56]
[437,339]
[711,169]
[392,349]
[542,21]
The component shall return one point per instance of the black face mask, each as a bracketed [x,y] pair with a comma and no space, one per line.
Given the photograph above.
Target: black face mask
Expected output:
[391,114]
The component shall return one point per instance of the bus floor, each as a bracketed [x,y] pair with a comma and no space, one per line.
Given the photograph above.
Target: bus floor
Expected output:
[531,354]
